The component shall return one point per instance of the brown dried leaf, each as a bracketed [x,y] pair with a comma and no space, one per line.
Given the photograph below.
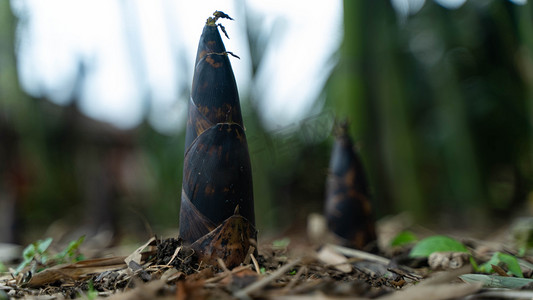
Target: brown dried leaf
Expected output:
[76,271]
[331,257]
[499,271]
[360,254]
[136,256]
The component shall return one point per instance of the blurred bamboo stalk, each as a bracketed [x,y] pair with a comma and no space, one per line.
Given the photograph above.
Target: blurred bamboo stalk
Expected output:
[348,94]
[367,88]
[10,94]
[397,141]
[460,159]
[525,62]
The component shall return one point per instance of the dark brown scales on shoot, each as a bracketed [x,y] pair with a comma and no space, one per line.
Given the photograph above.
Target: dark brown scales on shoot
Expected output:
[217,207]
[348,207]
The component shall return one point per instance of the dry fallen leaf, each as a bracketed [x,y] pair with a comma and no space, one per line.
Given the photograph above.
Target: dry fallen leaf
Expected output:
[136,256]
[331,257]
[75,271]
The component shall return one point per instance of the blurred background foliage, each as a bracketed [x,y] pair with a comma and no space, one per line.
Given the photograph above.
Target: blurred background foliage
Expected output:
[440,104]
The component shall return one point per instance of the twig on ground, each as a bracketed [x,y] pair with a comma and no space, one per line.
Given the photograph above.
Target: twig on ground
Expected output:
[244,293]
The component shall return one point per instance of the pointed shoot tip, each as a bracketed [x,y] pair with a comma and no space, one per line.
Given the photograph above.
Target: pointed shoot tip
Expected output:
[217,15]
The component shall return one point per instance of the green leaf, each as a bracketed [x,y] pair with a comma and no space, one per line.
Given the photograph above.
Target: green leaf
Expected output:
[3,267]
[27,256]
[474,264]
[71,251]
[79,257]
[92,293]
[437,243]
[495,281]
[512,264]
[498,258]
[292,272]
[23,264]
[29,252]
[282,243]
[404,238]
[42,246]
